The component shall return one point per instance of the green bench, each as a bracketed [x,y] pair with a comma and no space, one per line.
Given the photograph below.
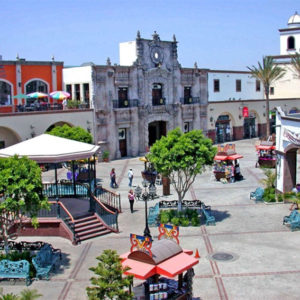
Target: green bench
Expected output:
[15,269]
[153,214]
[45,260]
[210,220]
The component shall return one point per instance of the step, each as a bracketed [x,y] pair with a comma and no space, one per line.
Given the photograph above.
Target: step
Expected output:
[90,236]
[85,219]
[83,224]
[90,231]
[97,225]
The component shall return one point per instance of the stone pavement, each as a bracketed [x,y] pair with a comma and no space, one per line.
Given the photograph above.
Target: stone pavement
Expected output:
[265,253]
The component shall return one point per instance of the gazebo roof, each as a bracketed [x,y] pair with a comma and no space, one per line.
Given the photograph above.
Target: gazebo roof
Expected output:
[47,148]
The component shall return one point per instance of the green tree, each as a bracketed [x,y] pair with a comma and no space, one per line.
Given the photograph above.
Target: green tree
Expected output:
[110,282]
[268,72]
[181,157]
[21,194]
[296,63]
[73,133]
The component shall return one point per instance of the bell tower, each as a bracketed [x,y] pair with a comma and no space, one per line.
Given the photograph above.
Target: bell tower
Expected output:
[290,36]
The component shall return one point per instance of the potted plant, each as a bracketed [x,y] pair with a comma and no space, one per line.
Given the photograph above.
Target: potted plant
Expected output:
[105,155]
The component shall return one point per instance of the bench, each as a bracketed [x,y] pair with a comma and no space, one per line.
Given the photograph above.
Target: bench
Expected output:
[210,220]
[153,214]
[257,195]
[295,222]
[290,218]
[45,259]
[15,269]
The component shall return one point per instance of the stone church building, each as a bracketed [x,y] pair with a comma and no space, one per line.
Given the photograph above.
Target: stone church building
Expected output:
[144,97]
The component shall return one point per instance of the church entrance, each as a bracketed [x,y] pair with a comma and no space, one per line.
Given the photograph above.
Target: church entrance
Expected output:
[156,130]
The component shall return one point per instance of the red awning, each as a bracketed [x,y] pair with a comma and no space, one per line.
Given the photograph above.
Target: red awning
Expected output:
[234,156]
[220,157]
[176,265]
[265,147]
[139,269]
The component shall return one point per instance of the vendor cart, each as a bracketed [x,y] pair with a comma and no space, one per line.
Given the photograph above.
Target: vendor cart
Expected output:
[266,155]
[226,164]
[158,262]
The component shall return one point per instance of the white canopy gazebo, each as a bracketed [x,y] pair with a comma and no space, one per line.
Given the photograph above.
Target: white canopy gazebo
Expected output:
[47,148]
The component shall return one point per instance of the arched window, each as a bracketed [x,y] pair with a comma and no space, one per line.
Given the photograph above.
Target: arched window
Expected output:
[291,42]
[5,93]
[36,86]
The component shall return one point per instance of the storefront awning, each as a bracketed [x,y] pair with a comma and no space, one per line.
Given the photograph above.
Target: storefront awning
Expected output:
[139,269]
[176,265]
[260,147]
[220,157]
[234,156]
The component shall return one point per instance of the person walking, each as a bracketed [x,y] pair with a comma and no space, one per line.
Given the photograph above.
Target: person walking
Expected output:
[113,183]
[130,177]
[131,199]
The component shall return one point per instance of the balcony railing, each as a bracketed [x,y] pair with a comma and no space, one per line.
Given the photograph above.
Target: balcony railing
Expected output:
[125,103]
[190,100]
[39,108]
[158,101]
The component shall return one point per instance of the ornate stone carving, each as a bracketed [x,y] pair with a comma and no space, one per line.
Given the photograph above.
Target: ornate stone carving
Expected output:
[100,78]
[122,116]
[122,78]
[187,79]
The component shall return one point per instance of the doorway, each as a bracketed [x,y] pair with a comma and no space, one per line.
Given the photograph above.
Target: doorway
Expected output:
[123,141]
[156,130]
[249,128]
[223,131]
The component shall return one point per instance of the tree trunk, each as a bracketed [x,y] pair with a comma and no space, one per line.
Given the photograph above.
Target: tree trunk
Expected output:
[267,112]
[166,185]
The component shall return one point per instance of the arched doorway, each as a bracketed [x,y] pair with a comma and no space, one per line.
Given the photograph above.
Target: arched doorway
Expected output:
[223,129]
[156,130]
[249,126]
[8,137]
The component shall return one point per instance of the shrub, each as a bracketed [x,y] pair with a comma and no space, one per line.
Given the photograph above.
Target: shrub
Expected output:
[175,221]
[164,217]
[184,222]
[195,221]
[279,197]
[269,195]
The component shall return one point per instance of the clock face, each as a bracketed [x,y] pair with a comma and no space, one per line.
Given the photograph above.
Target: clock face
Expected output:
[156,55]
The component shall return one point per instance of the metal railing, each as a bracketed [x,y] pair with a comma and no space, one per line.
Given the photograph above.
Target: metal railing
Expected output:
[125,103]
[190,100]
[109,198]
[108,217]
[65,190]
[58,210]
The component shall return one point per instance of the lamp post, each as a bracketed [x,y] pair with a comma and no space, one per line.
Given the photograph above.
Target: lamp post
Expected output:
[145,196]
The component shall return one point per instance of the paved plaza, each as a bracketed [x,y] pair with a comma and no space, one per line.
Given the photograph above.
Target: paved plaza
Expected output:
[265,253]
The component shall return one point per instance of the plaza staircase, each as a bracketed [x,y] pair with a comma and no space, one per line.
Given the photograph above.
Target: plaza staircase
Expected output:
[89,226]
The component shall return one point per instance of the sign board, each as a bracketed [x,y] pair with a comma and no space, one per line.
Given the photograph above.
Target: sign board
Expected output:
[245,112]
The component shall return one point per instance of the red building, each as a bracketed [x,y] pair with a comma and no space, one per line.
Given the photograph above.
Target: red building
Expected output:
[24,77]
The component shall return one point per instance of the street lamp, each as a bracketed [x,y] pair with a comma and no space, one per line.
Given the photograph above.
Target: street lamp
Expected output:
[145,196]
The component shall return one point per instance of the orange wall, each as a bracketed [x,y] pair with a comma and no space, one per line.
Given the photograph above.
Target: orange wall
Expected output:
[42,72]
[9,74]
[59,77]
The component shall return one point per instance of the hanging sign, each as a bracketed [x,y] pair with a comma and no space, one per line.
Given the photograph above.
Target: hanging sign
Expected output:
[245,112]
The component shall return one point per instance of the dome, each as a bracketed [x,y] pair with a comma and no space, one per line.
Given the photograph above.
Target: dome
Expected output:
[294,20]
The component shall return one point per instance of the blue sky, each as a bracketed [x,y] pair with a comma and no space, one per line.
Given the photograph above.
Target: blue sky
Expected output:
[217,34]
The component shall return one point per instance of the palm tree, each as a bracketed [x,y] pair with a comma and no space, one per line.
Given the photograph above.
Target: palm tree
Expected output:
[296,63]
[267,73]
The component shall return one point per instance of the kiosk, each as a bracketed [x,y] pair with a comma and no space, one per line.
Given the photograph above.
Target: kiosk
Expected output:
[266,154]
[225,163]
[158,262]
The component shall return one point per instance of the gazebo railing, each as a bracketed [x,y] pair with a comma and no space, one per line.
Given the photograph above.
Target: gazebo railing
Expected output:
[65,190]
[109,217]
[107,197]
[58,210]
